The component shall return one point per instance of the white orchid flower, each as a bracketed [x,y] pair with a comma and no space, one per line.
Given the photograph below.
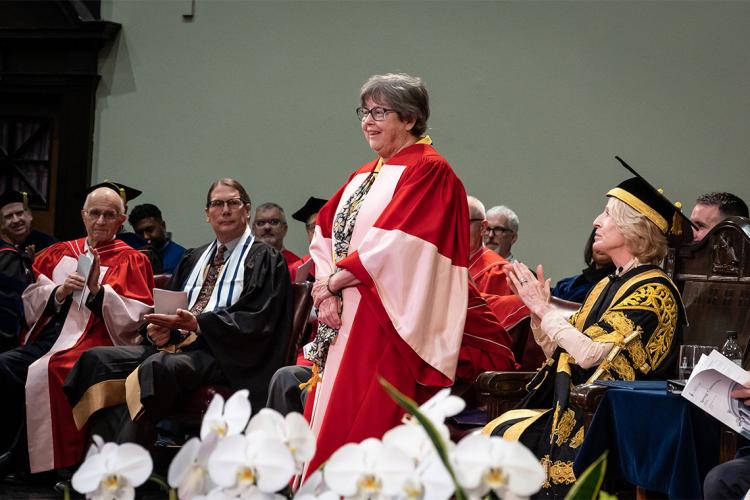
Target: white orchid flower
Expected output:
[293,430]
[188,471]
[368,470]
[484,463]
[414,441]
[226,419]
[431,481]
[111,471]
[245,463]
[315,489]
[442,405]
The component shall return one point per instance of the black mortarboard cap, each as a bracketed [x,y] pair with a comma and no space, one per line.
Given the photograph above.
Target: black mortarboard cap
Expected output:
[645,199]
[127,193]
[312,206]
[12,196]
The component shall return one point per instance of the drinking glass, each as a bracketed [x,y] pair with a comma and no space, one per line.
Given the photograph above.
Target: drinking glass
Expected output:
[689,357]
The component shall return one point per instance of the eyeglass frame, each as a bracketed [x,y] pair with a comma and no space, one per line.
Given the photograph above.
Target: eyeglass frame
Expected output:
[231,203]
[107,216]
[502,230]
[369,112]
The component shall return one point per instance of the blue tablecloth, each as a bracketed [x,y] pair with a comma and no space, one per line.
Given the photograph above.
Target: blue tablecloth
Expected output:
[658,441]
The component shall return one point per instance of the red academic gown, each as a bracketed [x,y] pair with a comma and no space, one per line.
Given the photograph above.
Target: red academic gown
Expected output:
[127,283]
[486,269]
[290,257]
[486,346]
[405,321]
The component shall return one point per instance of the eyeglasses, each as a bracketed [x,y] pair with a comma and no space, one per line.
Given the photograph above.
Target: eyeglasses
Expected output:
[233,203]
[498,230]
[475,220]
[377,113]
[270,222]
[108,215]
[310,227]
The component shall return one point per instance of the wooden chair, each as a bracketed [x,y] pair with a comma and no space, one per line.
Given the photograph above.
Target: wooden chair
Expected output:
[713,277]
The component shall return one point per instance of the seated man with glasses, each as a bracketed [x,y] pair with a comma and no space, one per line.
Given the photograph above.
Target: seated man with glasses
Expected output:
[234,330]
[270,228]
[70,308]
[502,231]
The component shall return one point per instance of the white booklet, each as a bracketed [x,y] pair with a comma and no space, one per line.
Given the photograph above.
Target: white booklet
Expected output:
[167,301]
[709,385]
[84,269]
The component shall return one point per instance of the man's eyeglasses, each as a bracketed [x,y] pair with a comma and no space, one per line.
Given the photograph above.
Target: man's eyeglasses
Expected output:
[310,227]
[378,113]
[107,215]
[270,222]
[233,204]
[498,230]
[471,221]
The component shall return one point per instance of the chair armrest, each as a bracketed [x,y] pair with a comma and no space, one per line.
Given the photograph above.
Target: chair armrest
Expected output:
[588,397]
[502,391]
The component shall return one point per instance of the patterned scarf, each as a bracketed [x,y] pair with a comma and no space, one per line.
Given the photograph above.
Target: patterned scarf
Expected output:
[343,227]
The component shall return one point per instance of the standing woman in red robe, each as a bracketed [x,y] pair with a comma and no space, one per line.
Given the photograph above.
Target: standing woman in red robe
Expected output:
[391,256]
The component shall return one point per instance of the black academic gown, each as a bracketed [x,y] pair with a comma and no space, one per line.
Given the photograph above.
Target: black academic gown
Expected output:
[13,281]
[642,300]
[246,341]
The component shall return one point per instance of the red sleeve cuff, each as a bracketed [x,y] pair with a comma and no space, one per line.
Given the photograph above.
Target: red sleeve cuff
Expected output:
[352,264]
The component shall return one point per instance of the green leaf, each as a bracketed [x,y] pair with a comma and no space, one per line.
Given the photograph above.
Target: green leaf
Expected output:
[412,408]
[160,481]
[588,485]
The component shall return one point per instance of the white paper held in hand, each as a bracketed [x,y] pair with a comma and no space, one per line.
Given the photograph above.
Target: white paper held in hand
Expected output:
[167,301]
[84,269]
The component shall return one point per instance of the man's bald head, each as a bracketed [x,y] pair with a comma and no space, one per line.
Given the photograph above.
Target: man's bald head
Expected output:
[477,223]
[106,195]
[103,214]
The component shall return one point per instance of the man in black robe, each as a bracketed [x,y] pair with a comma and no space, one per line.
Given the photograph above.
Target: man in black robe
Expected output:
[235,331]
[13,281]
[15,226]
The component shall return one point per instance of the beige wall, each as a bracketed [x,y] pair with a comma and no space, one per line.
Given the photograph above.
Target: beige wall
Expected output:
[530,102]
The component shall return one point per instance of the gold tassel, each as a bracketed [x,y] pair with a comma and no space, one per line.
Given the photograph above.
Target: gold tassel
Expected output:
[122,195]
[25,200]
[313,380]
[677,220]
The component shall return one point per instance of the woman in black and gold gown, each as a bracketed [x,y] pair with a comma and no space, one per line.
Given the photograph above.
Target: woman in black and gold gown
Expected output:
[628,328]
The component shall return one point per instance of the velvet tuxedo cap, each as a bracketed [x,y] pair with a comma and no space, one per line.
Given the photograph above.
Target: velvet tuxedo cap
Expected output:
[650,202]
[127,193]
[312,206]
[12,196]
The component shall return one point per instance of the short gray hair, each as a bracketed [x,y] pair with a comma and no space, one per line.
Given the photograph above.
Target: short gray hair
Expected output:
[404,93]
[510,215]
[476,207]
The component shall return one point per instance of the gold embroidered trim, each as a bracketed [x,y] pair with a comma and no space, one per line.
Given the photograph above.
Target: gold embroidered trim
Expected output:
[511,415]
[563,363]
[638,355]
[623,368]
[555,417]
[577,439]
[583,313]
[640,207]
[559,471]
[619,322]
[595,331]
[658,299]
[564,427]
